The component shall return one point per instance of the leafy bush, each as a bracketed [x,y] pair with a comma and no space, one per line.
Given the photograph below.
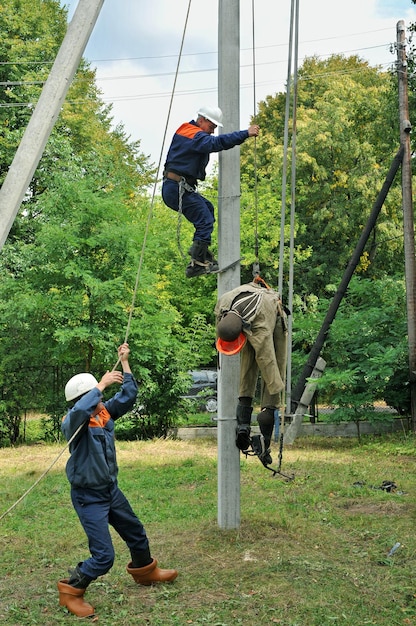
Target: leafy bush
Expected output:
[397,391]
[159,403]
[366,341]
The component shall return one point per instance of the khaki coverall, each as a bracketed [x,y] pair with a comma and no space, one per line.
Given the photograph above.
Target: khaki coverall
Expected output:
[266,348]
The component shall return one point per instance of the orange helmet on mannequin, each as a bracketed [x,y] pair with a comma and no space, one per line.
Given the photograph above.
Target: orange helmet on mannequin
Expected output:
[231,338]
[231,347]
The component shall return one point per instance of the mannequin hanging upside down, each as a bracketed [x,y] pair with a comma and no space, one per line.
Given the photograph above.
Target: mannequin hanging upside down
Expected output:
[186,163]
[251,320]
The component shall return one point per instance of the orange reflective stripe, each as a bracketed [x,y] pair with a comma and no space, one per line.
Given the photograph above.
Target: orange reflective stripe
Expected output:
[188,130]
[100,419]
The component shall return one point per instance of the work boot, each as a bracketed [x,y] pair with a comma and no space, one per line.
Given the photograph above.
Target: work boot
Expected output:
[202,261]
[261,449]
[242,438]
[77,579]
[151,574]
[73,599]
[261,443]
[209,256]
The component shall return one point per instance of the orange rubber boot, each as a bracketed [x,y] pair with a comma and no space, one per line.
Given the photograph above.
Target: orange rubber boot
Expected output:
[150,574]
[73,599]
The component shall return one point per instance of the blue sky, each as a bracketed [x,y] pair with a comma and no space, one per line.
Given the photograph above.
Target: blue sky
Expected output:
[390,8]
[135,44]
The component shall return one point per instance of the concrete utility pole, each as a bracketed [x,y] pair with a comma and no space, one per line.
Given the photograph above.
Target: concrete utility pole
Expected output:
[294,427]
[46,113]
[408,220]
[229,251]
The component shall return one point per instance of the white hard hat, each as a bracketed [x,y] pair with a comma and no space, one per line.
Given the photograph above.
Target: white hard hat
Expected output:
[213,114]
[78,385]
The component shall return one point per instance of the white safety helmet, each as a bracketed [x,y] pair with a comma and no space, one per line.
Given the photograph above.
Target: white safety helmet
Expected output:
[213,114]
[78,385]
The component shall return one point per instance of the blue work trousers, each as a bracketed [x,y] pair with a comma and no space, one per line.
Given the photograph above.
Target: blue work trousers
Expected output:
[96,511]
[197,209]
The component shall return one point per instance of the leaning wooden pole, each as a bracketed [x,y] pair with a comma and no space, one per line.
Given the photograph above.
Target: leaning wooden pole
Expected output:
[336,301]
[46,113]
[408,219]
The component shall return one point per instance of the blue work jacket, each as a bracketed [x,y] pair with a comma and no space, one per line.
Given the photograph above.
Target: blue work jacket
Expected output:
[189,151]
[93,464]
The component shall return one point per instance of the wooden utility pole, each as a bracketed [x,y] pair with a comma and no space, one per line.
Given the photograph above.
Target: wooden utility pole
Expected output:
[228,252]
[408,219]
[46,113]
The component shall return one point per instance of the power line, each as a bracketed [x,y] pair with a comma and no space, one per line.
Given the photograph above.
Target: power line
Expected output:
[182,73]
[189,54]
[187,92]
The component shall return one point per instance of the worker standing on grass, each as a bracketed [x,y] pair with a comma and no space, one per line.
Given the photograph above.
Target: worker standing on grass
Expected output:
[252,320]
[92,471]
[186,163]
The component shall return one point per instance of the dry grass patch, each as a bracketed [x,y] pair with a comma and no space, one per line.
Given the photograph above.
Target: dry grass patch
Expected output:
[375,508]
[162,451]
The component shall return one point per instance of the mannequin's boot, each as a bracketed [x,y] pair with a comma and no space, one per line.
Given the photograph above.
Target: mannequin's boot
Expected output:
[242,437]
[261,443]
[73,599]
[202,261]
[151,574]
[261,449]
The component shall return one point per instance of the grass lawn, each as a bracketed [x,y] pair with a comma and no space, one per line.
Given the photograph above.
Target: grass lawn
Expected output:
[311,552]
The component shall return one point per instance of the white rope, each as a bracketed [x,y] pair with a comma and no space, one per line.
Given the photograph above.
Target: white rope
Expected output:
[42,475]
[157,176]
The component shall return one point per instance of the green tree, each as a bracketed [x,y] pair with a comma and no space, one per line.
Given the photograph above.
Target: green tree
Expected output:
[365,349]
[347,136]
[30,36]
[411,57]
[69,265]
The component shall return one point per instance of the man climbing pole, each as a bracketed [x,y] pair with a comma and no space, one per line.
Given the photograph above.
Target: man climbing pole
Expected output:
[252,320]
[186,163]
